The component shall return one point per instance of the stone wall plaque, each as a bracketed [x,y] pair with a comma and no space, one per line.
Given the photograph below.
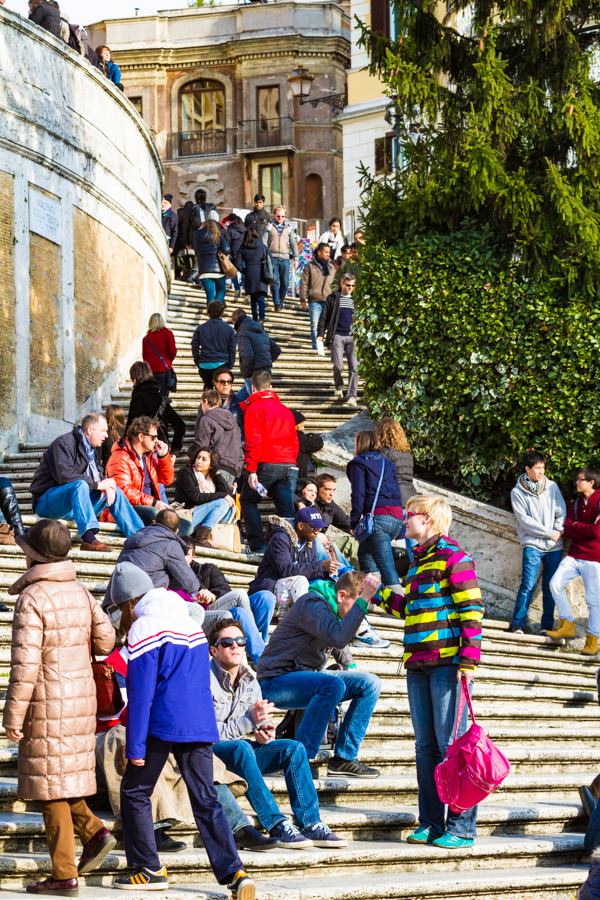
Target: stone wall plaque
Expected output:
[44,216]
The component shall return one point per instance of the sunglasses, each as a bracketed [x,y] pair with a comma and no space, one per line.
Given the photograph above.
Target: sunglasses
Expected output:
[409,515]
[229,642]
[220,381]
[153,437]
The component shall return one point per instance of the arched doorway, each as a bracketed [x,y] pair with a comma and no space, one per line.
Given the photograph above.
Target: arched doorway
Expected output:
[313,197]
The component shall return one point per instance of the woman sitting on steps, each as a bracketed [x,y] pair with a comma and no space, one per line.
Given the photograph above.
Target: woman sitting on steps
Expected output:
[202,489]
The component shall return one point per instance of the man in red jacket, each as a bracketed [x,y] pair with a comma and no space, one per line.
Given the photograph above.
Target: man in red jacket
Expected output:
[271,453]
[582,526]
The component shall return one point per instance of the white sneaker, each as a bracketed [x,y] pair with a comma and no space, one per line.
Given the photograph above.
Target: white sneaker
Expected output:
[352,401]
[338,394]
[368,637]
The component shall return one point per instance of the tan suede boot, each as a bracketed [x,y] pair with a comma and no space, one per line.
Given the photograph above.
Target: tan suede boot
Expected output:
[591,645]
[566,631]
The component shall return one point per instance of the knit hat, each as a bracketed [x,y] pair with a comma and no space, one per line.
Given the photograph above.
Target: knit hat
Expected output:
[128,582]
[47,541]
[213,216]
[298,417]
[168,197]
[310,515]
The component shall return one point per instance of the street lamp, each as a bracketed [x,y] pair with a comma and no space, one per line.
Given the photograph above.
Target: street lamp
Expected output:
[300,81]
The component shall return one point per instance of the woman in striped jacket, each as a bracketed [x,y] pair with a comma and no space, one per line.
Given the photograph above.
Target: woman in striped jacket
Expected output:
[442,610]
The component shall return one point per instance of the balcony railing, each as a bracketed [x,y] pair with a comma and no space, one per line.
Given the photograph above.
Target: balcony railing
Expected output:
[200,143]
[263,134]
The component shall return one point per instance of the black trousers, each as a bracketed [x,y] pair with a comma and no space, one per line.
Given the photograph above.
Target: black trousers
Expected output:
[195,761]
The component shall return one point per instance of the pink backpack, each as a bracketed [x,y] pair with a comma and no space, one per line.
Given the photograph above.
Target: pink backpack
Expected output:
[473,767]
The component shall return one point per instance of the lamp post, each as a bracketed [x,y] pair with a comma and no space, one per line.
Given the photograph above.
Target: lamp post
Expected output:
[301,81]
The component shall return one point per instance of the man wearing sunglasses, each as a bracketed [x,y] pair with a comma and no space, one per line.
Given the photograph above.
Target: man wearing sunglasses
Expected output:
[223,383]
[241,711]
[139,464]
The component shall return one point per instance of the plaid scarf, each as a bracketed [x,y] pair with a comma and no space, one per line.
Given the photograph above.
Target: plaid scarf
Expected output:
[535,487]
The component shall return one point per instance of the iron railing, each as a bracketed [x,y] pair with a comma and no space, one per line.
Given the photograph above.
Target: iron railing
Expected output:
[260,134]
[200,143]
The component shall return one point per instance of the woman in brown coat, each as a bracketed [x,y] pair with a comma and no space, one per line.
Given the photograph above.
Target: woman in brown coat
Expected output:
[50,704]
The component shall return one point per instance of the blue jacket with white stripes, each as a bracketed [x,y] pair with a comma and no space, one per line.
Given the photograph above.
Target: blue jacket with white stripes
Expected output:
[168,676]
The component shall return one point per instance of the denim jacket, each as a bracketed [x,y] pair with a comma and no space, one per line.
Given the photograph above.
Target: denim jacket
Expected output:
[232,706]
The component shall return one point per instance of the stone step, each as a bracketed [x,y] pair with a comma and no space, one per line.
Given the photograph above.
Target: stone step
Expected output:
[360,858]
[544,883]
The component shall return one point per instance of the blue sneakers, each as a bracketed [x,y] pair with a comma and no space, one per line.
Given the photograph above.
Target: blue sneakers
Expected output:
[322,836]
[368,637]
[289,837]
[452,841]
[422,835]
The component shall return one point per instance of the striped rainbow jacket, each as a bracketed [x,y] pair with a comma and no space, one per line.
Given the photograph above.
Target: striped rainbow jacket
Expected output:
[442,607]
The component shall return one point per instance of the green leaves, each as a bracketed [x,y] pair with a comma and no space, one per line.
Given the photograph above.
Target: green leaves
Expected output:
[476,363]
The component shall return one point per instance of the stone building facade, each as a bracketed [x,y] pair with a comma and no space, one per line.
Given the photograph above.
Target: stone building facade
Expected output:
[83,257]
[211,84]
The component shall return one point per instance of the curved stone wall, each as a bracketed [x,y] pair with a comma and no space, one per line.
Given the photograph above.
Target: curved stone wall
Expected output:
[83,257]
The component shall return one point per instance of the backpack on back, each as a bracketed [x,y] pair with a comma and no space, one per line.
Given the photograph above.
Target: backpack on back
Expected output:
[473,767]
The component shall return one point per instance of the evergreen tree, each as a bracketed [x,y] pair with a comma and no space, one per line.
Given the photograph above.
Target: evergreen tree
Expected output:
[508,131]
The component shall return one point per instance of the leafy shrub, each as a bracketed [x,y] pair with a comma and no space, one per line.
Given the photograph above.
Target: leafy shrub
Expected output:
[475,363]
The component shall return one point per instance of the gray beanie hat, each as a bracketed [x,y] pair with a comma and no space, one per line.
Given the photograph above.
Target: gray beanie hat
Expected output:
[213,216]
[128,582]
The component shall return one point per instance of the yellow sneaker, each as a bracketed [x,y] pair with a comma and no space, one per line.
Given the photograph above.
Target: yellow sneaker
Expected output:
[566,631]
[242,887]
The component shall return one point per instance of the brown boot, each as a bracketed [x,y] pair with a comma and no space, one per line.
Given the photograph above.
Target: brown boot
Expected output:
[202,536]
[95,547]
[566,631]
[591,646]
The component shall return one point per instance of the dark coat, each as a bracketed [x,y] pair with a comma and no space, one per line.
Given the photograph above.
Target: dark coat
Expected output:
[47,17]
[364,472]
[330,316]
[235,233]
[145,401]
[186,489]
[258,219]
[161,554]
[214,341]
[64,461]
[285,557]
[106,447]
[218,429]
[257,351]
[332,514]
[209,577]
[206,252]
[404,471]
[249,261]
[309,443]
[170,224]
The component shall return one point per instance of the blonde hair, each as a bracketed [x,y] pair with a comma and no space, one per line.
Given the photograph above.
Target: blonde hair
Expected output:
[391,434]
[437,508]
[156,322]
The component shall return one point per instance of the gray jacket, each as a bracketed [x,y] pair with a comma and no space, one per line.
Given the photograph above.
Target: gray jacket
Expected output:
[305,639]
[161,554]
[218,430]
[233,705]
[538,515]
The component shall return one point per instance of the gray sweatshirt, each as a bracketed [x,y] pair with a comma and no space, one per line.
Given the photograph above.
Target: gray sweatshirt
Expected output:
[233,704]
[538,515]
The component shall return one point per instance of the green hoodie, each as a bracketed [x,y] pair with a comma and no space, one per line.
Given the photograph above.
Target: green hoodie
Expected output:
[326,589]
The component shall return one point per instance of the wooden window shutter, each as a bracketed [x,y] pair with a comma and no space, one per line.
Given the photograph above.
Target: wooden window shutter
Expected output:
[380,17]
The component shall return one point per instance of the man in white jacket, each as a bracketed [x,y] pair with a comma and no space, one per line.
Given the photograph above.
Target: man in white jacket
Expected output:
[541,511]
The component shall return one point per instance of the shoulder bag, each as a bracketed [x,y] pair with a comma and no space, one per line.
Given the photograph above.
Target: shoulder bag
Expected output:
[267,269]
[227,536]
[227,267]
[366,526]
[172,377]
[108,693]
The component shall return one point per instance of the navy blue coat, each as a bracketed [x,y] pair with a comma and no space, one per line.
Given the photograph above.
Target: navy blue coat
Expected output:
[364,472]
[257,351]
[283,558]
[214,341]
[206,252]
[235,233]
[170,224]
[249,261]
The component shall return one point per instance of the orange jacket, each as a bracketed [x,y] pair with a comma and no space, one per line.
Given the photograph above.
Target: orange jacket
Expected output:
[126,468]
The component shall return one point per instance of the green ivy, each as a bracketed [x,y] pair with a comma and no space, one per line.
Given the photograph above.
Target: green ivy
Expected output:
[477,364]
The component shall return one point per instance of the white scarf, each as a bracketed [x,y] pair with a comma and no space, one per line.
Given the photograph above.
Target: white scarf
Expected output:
[205,484]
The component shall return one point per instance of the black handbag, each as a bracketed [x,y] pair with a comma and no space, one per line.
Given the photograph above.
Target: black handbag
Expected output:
[171,374]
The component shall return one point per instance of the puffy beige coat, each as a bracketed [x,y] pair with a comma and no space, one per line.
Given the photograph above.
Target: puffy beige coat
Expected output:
[51,694]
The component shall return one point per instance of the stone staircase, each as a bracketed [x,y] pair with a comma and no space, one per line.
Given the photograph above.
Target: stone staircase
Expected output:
[539,703]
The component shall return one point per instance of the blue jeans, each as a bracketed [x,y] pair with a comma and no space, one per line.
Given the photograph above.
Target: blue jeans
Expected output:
[214,288]
[375,554]
[251,761]
[234,814]
[245,391]
[314,314]
[279,288]
[319,693]
[323,555]
[532,560]
[256,623]
[258,306]
[433,693]
[210,514]
[280,481]
[76,501]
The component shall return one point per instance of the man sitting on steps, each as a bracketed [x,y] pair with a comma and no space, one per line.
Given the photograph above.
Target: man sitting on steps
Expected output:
[69,483]
[241,711]
[290,671]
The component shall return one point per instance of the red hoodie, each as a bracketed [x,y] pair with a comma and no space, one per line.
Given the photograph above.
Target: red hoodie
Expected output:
[270,431]
[580,527]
